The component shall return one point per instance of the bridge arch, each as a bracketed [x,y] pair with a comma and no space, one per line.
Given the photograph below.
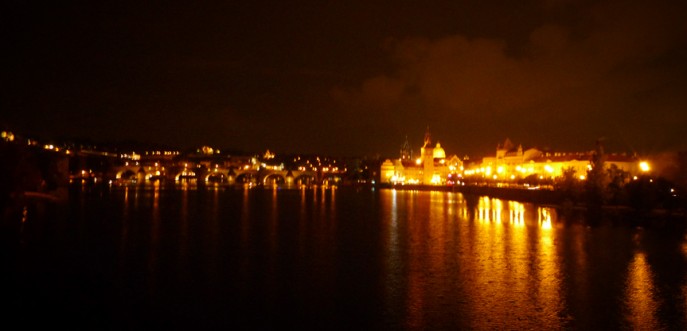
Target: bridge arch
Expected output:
[273,179]
[216,177]
[305,179]
[131,173]
[246,178]
[126,174]
[332,180]
[185,175]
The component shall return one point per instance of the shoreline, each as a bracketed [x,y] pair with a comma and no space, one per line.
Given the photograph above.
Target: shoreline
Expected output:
[547,198]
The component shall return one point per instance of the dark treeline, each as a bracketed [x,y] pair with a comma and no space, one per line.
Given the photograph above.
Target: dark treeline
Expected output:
[610,186]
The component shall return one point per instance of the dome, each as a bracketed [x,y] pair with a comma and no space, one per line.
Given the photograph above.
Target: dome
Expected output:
[439,152]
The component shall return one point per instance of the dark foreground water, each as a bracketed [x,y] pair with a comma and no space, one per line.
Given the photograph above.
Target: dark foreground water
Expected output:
[322,258]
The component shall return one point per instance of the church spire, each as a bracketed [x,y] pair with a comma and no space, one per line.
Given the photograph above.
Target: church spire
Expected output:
[428,138]
[406,151]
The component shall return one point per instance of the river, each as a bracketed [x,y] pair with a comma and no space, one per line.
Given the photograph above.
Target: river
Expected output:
[183,257]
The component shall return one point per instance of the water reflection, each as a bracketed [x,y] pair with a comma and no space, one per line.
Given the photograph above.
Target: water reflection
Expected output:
[212,233]
[125,219]
[546,288]
[184,235]
[544,217]
[154,237]
[314,257]
[493,268]
[639,295]
[245,265]
[516,213]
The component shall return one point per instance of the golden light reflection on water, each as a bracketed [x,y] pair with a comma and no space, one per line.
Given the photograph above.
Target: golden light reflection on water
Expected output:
[549,297]
[544,217]
[245,216]
[445,261]
[332,200]
[125,215]
[507,264]
[272,238]
[394,282]
[497,209]
[318,197]
[245,236]
[154,236]
[124,234]
[484,209]
[639,295]
[302,230]
[516,213]
[421,259]
[183,230]
[212,231]
[274,224]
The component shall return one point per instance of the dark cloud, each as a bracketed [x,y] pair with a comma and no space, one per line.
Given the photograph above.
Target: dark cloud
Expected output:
[616,74]
[350,78]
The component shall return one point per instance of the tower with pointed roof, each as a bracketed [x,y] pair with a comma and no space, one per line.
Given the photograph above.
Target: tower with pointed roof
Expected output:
[427,158]
[406,151]
[428,138]
[432,167]
[427,146]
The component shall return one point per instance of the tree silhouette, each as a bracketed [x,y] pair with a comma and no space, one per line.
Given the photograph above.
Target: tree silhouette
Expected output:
[568,186]
[597,179]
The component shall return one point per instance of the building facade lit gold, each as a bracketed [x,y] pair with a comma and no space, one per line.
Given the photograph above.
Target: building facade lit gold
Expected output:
[431,168]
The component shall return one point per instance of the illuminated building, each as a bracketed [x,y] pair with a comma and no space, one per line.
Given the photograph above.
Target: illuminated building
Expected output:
[431,168]
[511,163]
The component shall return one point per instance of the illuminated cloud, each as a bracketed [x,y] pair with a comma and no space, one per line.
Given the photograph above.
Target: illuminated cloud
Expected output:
[618,72]
[351,78]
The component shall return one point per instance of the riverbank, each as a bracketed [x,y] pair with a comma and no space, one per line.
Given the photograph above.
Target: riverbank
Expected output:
[550,198]
[538,196]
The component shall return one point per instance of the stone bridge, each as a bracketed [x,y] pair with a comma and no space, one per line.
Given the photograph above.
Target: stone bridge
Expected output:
[231,175]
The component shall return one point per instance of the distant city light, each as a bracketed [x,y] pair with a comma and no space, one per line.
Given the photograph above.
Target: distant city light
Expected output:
[644,166]
[7,136]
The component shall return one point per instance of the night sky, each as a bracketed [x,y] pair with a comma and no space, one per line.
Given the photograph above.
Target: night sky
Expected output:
[349,78]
